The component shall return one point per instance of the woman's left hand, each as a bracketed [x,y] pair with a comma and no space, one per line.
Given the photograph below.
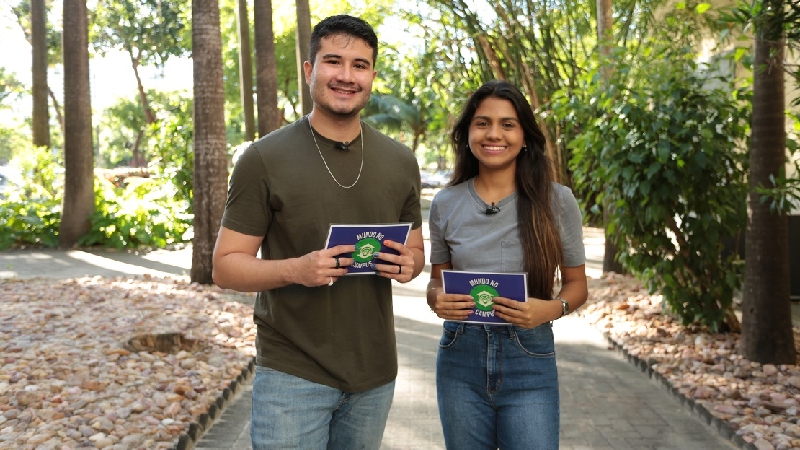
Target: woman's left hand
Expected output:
[528,314]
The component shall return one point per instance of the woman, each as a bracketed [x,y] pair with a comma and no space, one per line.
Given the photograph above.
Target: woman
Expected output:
[497,385]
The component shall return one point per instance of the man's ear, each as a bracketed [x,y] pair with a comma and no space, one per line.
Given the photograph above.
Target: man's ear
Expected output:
[308,69]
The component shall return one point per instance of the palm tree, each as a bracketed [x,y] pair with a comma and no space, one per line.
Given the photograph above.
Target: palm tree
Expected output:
[266,69]
[211,162]
[390,113]
[246,71]
[40,114]
[303,41]
[605,41]
[78,203]
[767,335]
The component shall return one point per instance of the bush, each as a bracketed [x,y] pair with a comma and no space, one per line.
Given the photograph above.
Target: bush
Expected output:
[667,152]
[137,212]
[29,223]
[142,213]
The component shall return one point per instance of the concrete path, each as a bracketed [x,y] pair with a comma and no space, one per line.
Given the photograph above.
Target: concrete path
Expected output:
[606,402]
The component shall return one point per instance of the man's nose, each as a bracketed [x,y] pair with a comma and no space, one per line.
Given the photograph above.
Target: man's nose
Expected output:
[345,73]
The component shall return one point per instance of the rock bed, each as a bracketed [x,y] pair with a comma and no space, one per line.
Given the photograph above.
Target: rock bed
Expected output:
[755,405]
[114,363]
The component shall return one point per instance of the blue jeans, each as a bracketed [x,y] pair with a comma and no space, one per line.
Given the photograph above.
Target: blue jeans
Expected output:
[292,413]
[497,387]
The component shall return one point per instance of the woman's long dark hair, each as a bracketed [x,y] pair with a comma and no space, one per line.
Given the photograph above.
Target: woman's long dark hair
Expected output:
[538,229]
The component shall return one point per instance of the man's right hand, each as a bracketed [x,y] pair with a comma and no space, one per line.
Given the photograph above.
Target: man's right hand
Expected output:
[318,268]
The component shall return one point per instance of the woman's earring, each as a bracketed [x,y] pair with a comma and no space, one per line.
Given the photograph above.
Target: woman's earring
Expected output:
[524,149]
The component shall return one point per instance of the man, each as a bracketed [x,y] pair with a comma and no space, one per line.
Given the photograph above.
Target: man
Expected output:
[326,354]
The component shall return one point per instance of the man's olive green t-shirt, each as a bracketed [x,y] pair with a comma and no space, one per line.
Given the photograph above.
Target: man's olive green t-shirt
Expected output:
[343,335]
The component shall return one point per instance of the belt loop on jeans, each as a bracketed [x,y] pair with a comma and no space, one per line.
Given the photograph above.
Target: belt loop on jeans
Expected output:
[460,329]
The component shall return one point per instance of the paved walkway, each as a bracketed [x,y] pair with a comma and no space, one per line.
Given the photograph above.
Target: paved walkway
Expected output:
[606,402]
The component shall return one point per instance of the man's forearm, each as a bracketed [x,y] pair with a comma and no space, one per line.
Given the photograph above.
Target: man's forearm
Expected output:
[247,273]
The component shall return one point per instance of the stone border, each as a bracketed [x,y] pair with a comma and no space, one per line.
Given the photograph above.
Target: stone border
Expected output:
[724,429]
[204,422]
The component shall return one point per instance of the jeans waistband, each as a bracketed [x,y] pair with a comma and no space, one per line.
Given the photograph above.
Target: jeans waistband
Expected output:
[503,330]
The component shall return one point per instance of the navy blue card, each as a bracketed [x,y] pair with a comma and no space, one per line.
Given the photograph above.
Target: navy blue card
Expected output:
[483,287]
[368,239]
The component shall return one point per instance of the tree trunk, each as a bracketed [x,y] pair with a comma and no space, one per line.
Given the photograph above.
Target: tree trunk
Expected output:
[604,35]
[303,42]
[78,203]
[246,72]
[40,115]
[149,117]
[57,109]
[269,118]
[605,24]
[137,160]
[767,335]
[211,161]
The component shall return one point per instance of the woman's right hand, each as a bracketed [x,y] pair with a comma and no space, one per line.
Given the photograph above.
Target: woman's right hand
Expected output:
[450,306]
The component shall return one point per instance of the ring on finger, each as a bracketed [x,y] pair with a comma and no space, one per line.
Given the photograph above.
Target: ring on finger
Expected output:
[337,262]
[399,269]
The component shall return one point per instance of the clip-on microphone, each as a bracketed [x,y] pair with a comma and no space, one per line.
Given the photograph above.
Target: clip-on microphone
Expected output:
[494,209]
[344,146]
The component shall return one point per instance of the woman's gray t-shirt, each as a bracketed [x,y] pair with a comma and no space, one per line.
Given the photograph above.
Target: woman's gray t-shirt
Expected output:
[463,234]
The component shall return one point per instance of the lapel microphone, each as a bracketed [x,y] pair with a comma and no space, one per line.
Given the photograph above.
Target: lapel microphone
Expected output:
[494,209]
[344,146]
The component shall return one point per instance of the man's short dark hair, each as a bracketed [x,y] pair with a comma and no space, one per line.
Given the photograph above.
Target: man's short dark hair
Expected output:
[342,25]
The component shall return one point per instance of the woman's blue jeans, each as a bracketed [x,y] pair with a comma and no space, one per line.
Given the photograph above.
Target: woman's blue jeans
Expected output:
[497,387]
[292,413]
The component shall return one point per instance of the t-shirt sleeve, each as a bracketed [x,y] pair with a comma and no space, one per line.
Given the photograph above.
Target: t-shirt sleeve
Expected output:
[247,208]
[440,252]
[571,229]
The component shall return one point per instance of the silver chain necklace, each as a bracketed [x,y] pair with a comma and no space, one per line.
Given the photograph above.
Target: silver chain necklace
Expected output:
[361,135]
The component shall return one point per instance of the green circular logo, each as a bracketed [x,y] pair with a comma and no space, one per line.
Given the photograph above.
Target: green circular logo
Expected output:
[483,294]
[365,249]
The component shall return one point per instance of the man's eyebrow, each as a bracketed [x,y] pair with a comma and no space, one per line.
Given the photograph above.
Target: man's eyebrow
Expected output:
[338,56]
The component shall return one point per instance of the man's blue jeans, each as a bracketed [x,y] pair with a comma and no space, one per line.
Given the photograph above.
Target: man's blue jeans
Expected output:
[497,387]
[292,413]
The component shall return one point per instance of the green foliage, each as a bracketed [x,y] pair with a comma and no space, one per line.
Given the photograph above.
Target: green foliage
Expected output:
[11,140]
[121,126]
[150,31]
[22,11]
[33,222]
[784,193]
[167,143]
[172,147]
[143,213]
[32,211]
[40,173]
[766,19]
[10,87]
[664,145]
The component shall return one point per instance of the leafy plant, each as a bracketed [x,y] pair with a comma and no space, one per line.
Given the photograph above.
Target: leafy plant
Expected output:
[31,213]
[784,193]
[172,147]
[664,144]
[29,223]
[143,213]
